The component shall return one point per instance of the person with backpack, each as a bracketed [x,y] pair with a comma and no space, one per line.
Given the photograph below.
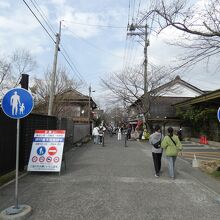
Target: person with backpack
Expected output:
[155,140]
[172,146]
[95,134]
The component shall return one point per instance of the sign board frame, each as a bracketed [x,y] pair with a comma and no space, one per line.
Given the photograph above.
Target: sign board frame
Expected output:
[47,151]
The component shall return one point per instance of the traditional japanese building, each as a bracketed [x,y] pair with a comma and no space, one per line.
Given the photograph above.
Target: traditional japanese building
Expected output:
[70,104]
[162,100]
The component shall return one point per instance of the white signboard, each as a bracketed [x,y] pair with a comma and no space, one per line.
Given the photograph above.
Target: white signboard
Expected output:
[47,151]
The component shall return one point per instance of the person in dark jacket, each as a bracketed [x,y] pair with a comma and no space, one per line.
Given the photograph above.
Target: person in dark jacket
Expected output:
[155,140]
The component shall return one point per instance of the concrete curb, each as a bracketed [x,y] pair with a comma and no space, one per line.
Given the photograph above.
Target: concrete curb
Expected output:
[12,181]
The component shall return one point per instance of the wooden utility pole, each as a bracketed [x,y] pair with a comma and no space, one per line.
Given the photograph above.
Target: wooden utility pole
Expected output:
[89,110]
[144,36]
[53,77]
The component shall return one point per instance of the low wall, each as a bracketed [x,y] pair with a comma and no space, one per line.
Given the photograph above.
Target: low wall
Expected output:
[80,131]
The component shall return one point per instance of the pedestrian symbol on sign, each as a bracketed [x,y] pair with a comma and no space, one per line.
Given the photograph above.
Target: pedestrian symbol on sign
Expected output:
[17,103]
[41,150]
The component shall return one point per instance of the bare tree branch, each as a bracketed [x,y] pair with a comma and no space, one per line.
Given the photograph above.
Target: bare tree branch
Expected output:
[198,21]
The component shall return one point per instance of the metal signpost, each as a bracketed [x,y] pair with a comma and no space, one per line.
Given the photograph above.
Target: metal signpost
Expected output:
[17,103]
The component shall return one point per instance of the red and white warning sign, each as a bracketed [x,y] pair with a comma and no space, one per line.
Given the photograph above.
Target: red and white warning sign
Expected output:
[47,150]
[34,159]
[52,150]
[56,159]
[49,159]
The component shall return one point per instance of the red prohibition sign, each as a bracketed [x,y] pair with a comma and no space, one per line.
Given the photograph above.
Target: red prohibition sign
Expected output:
[41,159]
[56,159]
[52,150]
[49,159]
[34,159]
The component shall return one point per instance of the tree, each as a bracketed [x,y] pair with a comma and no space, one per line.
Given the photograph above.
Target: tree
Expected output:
[41,89]
[127,87]
[5,75]
[198,21]
[115,115]
[22,62]
[11,69]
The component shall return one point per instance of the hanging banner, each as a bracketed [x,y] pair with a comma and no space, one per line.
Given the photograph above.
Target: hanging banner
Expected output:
[47,151]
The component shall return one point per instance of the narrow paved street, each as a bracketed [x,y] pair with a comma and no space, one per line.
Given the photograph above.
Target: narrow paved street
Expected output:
[116,182]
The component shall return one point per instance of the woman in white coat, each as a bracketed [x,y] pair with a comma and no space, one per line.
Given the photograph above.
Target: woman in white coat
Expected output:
[119,133]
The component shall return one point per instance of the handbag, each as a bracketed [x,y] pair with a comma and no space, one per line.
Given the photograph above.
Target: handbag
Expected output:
[157,145]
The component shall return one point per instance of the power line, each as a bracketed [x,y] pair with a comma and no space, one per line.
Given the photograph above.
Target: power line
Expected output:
[71,64]
[134,2]
[39,21]
[37,7]
[98,48]
[95,25]
[129,9]
[138,10]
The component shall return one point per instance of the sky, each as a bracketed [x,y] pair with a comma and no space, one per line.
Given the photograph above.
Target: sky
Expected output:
[93,37]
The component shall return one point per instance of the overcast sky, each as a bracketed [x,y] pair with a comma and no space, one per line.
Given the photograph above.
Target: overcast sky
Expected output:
[94,37]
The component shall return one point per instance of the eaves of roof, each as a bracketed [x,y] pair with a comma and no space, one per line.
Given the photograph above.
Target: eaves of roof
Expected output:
[202,98]
[169,84]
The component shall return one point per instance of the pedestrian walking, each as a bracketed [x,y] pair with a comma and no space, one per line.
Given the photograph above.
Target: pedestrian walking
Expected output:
[119,134]
[172,146]
[95,134]
[129,132]
[155,140]
[101,133]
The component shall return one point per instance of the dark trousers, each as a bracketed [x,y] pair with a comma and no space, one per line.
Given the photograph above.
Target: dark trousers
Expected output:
[157,161]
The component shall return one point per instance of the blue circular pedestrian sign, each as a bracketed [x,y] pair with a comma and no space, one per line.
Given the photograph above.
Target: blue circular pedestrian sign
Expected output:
[17,103]
[41,150]
[218,114]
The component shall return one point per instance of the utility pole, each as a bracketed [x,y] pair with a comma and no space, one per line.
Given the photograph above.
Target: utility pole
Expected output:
[89,111]
[52,85]
[144,35]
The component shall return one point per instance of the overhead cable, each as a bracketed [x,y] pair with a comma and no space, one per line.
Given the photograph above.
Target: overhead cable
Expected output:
[98,48]
[37,7]
[39,21]
[74,69]
[94,25]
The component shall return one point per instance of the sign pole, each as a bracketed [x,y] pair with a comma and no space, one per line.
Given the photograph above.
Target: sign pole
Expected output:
[17,164]
[17,103]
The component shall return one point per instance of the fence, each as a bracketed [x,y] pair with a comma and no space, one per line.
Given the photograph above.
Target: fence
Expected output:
[8,130]
[7,143]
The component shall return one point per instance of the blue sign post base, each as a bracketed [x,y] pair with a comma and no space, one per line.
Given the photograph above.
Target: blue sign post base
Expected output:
[21,212]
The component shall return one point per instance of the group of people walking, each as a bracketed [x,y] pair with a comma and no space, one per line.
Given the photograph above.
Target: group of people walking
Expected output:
[170,144]
[98,133]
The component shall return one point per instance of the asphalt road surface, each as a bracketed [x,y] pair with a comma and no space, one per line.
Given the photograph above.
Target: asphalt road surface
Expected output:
[118,183]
